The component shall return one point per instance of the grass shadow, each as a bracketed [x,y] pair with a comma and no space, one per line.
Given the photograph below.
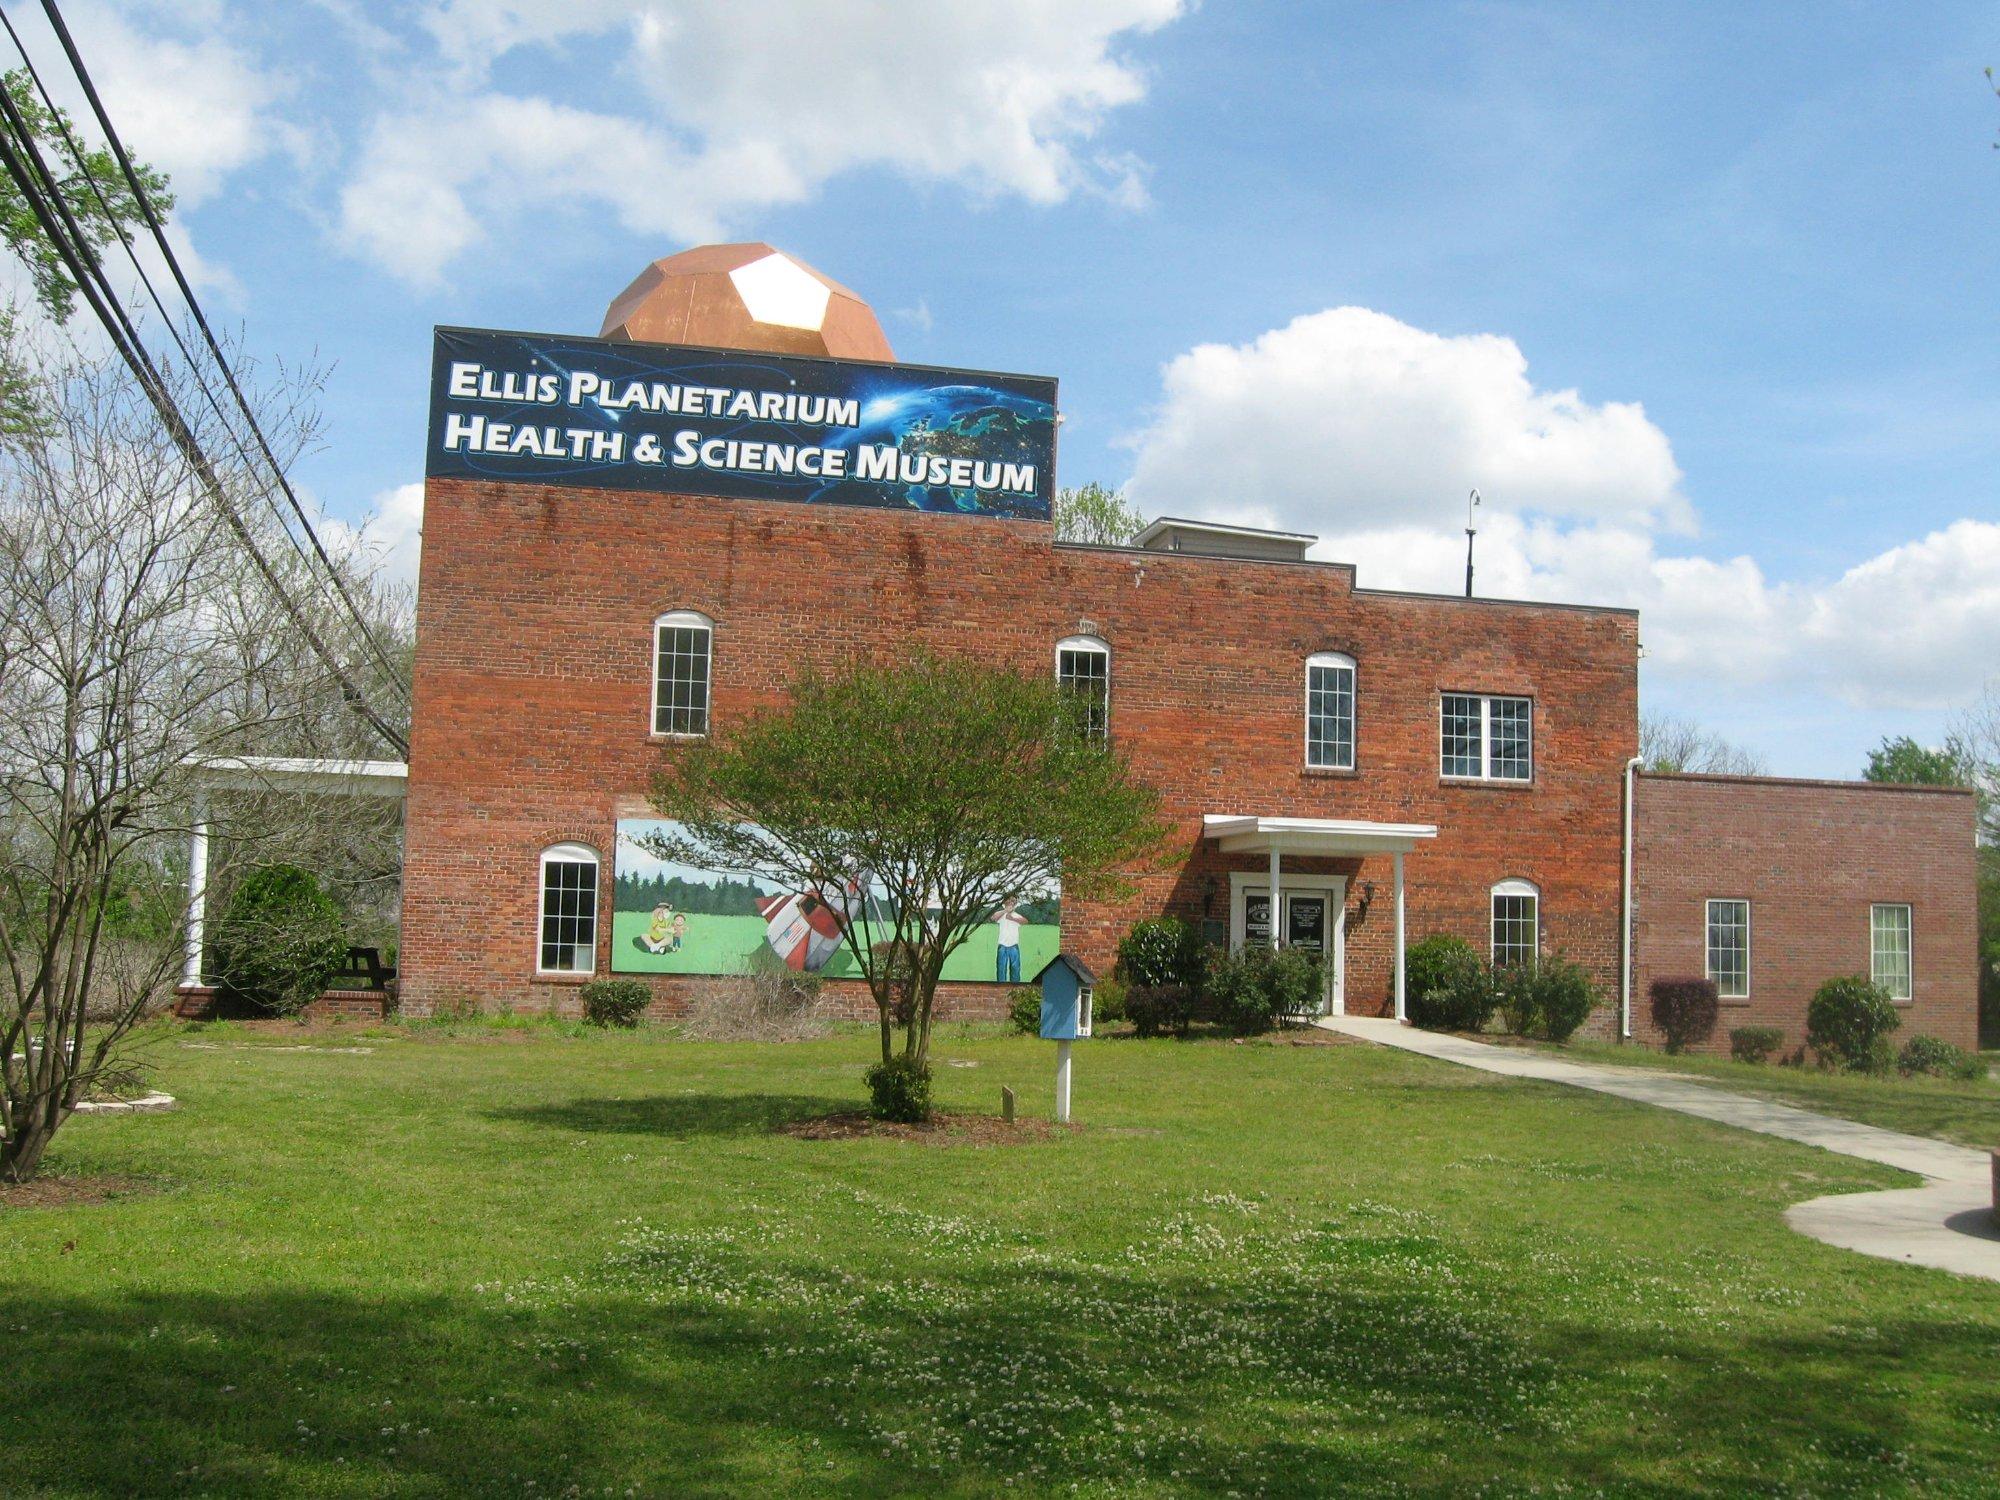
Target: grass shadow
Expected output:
[675,1116]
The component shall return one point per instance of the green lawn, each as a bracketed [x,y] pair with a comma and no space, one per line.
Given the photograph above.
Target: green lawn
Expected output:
[537,1262]
[1968,1113]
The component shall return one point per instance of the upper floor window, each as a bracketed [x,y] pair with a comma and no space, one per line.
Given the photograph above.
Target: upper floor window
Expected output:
[1729,948]
[1889,949]
[569,910]
[1083,669]
[681,659]
[1330,711]
[1486,737]
[1517,923]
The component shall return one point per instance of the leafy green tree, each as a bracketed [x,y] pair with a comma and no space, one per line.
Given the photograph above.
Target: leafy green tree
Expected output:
[1901,759]
[278,943]
[1097,514]
[945,787]
[95,193]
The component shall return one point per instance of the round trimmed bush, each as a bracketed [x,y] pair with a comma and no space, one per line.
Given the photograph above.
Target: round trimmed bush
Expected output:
[1937,1058]
[614,1002]
[1446,986]
[1564,998]
[1685,1010]
[1848,1024]
[1157,1009]
[1162,951]
[278,943]
[1024,1011]
[900,1090]
[1755,1044]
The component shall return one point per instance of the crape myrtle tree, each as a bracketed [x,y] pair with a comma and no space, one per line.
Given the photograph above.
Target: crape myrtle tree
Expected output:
[916,798]
[136,642]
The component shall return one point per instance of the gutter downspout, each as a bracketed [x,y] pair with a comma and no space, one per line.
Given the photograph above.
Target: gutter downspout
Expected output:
[1625,913]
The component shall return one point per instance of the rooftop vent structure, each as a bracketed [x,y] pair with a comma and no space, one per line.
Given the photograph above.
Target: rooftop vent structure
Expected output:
[1214,539]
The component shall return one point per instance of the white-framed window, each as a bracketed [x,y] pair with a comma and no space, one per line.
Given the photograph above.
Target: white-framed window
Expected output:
[1729,948]
[1083,668]
[683,651]
[1330,711]
[1486,737]
[1889,949]
[569,910]
[1517,923]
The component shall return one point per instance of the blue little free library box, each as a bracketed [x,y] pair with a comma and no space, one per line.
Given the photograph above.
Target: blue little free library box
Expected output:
[1067,984]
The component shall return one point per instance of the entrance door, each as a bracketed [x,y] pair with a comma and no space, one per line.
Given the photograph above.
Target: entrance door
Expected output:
[1306,926]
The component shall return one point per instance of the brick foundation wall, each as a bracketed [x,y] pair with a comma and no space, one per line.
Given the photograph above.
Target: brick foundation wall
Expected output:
[533,679]
[1811,857]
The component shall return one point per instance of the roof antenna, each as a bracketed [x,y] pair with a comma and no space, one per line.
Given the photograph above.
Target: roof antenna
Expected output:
[1471,503]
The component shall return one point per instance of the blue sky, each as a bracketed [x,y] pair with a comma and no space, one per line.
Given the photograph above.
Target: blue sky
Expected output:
[1702,298]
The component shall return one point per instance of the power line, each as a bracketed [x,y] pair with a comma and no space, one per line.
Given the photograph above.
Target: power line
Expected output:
[155,226]
[23,161]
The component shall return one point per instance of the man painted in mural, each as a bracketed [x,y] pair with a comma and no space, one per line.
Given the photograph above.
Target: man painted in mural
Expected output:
[1007,957]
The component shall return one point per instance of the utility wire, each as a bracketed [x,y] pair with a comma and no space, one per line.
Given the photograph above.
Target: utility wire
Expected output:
[31,176]
[154,224]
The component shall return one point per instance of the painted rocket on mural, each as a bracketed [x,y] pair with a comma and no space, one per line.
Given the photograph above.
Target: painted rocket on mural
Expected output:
[802,927]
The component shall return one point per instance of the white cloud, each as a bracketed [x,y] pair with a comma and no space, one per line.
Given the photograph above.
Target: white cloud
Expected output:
[390,538]
[1350,414]
[183,97]
[742,105]
[1368,432]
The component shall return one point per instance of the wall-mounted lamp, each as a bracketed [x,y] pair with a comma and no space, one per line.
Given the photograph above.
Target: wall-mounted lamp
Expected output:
[1208,886]
[1367,899]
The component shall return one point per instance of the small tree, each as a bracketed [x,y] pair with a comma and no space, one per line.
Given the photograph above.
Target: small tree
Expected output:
[279,941]
[918,798]
[1848,1022]
[1096,514]
[1667,743]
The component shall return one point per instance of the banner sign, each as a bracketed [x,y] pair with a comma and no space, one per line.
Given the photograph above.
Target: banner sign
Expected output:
[549,409]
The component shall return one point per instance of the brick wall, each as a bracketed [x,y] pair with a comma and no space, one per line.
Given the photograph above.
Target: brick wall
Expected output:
[1811,857]
[533,695]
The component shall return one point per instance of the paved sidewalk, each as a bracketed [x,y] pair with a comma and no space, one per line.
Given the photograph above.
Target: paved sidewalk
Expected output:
[1945,1223]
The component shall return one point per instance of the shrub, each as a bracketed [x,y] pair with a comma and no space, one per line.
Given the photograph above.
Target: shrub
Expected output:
[1564,998]
[1107,1005]
[1445,984]
[1938,1058]
[614,1002]
[279,942]
[900,1090]
[1256,987]
[1162,951]
[1515,998]
[1024,1011]
[1685,1010]
[1298,983]
[771,1003]
[1154,1009]
[1848,1023]
[1755,1044]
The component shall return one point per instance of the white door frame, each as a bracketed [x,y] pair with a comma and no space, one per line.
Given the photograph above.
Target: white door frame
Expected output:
[1333,887]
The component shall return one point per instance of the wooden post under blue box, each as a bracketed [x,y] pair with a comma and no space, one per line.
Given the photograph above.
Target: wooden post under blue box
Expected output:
[1067,987]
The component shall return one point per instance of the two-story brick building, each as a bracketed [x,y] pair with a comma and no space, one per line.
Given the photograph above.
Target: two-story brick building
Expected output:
[1374,760]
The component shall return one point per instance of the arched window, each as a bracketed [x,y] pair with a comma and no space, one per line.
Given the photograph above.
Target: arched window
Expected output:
[1083,668]
[569,910]
[682,652]
[1517,923]
[1330,711]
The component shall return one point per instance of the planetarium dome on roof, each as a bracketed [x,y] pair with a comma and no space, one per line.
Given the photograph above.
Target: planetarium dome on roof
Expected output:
[746,296]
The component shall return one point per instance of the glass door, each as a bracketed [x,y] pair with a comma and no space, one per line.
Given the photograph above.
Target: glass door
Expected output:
[1306,928]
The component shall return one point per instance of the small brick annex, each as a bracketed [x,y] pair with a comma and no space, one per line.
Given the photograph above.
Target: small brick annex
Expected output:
[1812,858]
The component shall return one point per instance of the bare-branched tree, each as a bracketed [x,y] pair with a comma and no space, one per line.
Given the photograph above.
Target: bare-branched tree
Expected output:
[137,643]
[1667,743]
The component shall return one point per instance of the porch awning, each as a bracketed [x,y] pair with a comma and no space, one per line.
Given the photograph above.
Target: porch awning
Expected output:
[1244,834]
[356,778]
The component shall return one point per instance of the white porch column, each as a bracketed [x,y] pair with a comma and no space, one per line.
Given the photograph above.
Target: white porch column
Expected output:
[1277,906]
[197,904]
[1402,1008]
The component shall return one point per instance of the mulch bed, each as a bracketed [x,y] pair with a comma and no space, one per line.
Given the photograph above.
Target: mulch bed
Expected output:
[69,1192]
[941,1130]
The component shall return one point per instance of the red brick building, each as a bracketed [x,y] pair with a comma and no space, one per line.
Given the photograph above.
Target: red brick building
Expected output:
[1462,758]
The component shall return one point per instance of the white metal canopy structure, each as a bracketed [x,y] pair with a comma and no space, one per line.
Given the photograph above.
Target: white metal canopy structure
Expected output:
[243,773]
[1322,838]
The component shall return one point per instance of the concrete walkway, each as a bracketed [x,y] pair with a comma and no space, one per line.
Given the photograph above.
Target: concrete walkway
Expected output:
[1946,1223]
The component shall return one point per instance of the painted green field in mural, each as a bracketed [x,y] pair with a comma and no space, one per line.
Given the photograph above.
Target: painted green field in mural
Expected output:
[729,945]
